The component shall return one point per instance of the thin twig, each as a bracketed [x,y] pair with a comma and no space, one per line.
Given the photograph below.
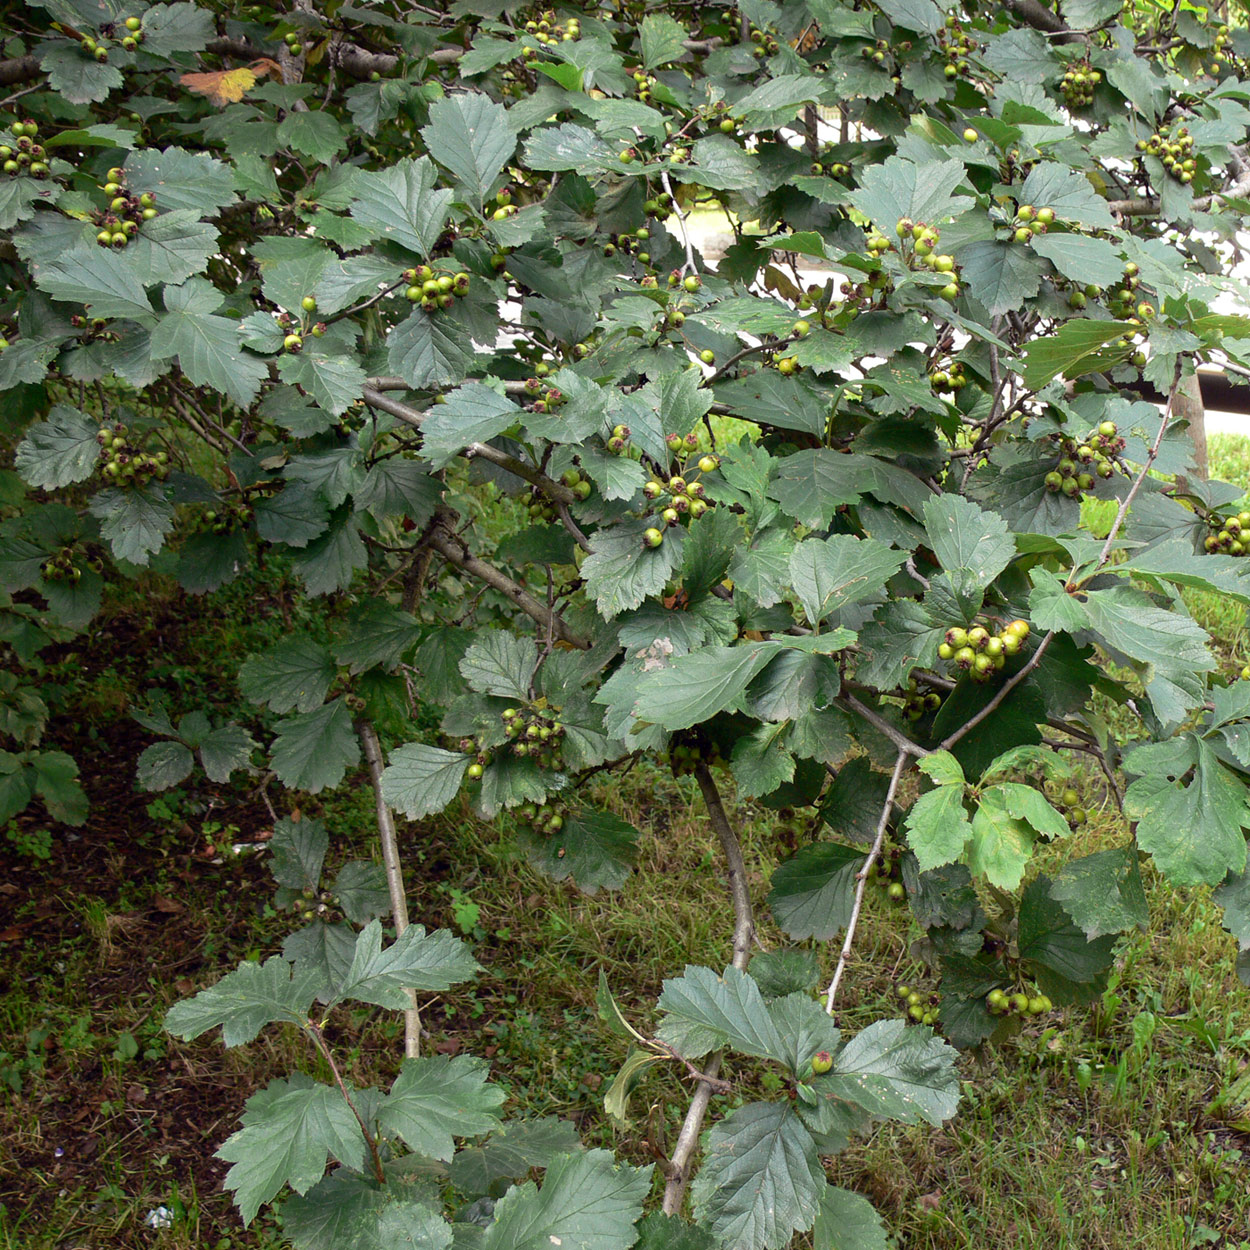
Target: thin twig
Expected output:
[881,725]
[744,930]
[861,880]
[691,265]
[452,549]
[314,1031]
[394,873]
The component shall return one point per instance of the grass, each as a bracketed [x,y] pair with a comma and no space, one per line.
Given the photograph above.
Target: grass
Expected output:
[1124,1124]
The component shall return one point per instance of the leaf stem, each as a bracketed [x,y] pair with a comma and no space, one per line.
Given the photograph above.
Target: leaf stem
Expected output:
[861,879]
[314,1031]
[394,873]
[679,1170]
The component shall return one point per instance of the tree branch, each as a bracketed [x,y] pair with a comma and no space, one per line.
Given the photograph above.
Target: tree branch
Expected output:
[474,451]
[861,880]
[453,550]
[394,874]
[744,931]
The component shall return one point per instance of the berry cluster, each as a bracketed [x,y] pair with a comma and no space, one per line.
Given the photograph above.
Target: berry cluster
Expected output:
[533,734]
[826,165]
[877,52]
[978,652]
[98,49]
[546,29]
[921,1008]
[1097,453]
[1069,802]
[294,42]
[62,568]
[763,44]
[231,517]
[948,378]
[294,341]
[918,703]
[579,485]
[434,291]
[121,463]
[887,872]
[956,46]
[312,904]
[1079,81]
[687,753]
[1227,534]
[125,214]
[545,818]
[544,400]
[1219,54]
[93,329]
[634,244]
[1030,221]
[678,496]
[24,155]
[1176,152]
[1019,1004]
[643,82]
[924,254]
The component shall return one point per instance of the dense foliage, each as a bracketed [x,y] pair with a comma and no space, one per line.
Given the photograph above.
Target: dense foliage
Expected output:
[405,302]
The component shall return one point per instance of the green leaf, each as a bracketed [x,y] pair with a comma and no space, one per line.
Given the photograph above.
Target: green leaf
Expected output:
[171,247]
[1001,843]
[1048,939]
[299,850]
[761,760]
[58,451]
[1190,815]
[905,1070]
[705,1012]
[413,961]
[180,179]
[421,780]
[290,1129]
[79,79]
[470,135]
[812,485]
[207,347]
[133,520]
[164,764]
[784,972]
[1103,892]
[314,749]
[314,132]
[967,539]
[827,574]
[436,1099]
[335,382]
[812,891]
[346,1211]
[595,848]
[401,204]
[1001,275]
[97,277]
[694,688]
[1029,804]
[937,827]
[501,664]
[1081,259]
[623,571]
[898,188]
[761,1179]
[668,1232]
[903,635]
[1068,350]
[511,1151]
[244,1001]
[425,353]
[663,40]
[472,413]
[587,1200]
[1234,897]
[295,674]
[848,1221]
[1069,193]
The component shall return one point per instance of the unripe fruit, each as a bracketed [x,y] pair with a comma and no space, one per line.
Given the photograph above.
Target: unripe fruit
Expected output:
[293,342]
[308,304]
[1046,216]
[708,464]
[133,23]
[652,537]
[801,329]
[1020,1003]
[896,891]
[692,282]
[970,135]
[473,772]
[708,356]
[822,1062]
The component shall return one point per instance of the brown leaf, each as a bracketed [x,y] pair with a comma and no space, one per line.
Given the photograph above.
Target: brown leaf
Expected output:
[12,934]
[449,1046]
[169,906]
[229,86]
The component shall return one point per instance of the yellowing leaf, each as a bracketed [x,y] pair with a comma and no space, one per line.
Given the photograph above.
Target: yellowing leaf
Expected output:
[229,86]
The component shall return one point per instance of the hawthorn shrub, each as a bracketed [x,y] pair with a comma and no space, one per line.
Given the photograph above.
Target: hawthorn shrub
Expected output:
[409,300]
